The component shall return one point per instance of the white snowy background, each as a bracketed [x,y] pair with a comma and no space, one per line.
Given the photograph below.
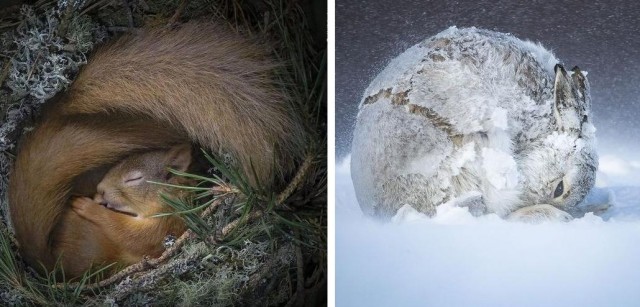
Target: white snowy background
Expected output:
[455,259]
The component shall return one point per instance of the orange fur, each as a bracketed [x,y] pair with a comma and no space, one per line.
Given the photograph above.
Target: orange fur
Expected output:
[199,78]
[150,90]
[110,236]
[52,156]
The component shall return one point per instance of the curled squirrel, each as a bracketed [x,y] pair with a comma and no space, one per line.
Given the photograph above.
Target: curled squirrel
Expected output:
[150,90]
[120,218]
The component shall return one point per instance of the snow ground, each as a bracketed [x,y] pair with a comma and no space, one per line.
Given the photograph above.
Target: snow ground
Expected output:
[455,259]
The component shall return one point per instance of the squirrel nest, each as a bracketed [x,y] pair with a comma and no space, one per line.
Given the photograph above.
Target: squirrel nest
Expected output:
[244,246]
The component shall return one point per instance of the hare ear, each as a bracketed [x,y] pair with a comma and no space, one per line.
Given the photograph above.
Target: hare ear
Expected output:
[582,85]
[566,106]
[179,157]
[579,81]
[562,88]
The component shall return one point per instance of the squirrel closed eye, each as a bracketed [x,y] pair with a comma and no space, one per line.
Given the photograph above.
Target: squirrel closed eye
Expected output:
[122,227]
[124,102]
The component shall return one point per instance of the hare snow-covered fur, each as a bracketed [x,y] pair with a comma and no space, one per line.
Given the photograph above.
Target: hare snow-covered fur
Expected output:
[478,118]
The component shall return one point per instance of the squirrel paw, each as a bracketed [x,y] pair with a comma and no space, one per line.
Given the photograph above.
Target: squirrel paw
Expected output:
[86,207]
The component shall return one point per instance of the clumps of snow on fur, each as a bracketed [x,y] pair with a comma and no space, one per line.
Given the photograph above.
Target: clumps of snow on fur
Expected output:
[466,154]
[500,168]
[466,90]
[499,119]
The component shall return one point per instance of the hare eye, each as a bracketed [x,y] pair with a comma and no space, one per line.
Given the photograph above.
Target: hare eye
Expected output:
[559,189]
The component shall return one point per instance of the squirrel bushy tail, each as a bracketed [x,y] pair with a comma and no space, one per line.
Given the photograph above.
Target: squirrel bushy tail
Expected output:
[55,153]
[216,86]
[146,90]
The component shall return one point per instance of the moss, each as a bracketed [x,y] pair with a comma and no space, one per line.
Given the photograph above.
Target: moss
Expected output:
[43,62]
[256,265]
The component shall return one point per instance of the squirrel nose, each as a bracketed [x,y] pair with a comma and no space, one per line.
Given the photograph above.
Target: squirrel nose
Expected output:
[99,198]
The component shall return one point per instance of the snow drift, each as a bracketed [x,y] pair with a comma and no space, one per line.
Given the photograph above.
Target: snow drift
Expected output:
[455,259]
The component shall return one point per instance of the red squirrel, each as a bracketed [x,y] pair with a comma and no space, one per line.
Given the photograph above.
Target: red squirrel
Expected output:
[145,91]
[119,224]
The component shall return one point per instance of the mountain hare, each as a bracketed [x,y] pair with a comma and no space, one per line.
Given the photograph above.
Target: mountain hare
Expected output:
[477,118]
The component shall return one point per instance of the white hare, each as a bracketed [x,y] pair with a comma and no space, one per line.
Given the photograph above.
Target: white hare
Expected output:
[478,118]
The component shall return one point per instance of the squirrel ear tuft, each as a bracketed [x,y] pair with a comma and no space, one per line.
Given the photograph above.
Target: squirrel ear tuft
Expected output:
[179,157]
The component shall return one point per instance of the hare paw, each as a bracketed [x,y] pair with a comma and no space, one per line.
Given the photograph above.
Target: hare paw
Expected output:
[539,213]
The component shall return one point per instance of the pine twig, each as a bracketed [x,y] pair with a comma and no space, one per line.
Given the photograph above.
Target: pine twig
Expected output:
[302,292]
[233,224]
[146,263]
[297,180]
[293,185]
[224,189]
